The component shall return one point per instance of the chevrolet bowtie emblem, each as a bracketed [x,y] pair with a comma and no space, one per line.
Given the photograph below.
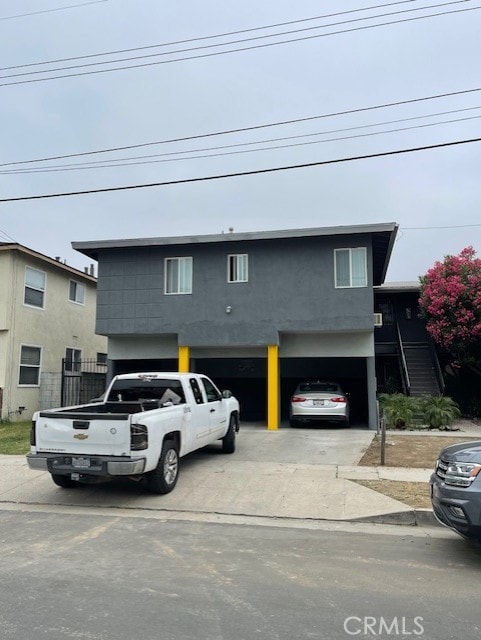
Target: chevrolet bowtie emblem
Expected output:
[81,436]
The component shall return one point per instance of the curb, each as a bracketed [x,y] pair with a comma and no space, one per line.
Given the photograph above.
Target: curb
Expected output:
[413,517]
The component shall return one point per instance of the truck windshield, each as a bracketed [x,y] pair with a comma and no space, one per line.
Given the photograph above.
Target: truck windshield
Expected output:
[161,389]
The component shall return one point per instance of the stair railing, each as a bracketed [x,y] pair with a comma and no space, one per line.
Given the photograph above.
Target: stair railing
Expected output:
[437,366]
[404,366]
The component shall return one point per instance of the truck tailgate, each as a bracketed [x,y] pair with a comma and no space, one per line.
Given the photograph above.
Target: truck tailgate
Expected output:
[90,434]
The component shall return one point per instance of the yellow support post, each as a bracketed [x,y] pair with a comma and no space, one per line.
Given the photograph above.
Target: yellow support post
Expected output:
[184,359]
[272,387]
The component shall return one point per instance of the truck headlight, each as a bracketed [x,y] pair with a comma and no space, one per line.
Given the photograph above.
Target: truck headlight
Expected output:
[461,474]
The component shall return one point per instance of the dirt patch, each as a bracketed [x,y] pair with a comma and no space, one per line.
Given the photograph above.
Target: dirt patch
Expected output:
[408,450]
[414,494]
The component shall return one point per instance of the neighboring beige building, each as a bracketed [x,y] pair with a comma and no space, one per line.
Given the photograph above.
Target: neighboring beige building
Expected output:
[47,313]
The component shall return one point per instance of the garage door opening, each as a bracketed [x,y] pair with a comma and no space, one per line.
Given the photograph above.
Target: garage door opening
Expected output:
[350,373]
[245,377]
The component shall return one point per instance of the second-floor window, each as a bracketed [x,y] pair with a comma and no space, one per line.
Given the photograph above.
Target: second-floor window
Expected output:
[34,295]
[30,358]
[76,292]
[237,268]
[350,266]
[178,275]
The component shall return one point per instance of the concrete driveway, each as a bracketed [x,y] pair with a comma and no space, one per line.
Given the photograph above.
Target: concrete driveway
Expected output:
[289,473]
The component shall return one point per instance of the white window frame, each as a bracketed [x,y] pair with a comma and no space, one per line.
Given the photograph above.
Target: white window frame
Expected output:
[30,366]
[180,260]
[350,285]
[74,362]
[233,260]
[79,286]
[27,304]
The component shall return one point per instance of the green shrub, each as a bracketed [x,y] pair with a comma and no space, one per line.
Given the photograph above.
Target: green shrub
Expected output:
[398,409]
[439,411]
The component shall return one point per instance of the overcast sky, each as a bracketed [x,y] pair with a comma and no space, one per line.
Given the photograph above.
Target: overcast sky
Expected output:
[317,73]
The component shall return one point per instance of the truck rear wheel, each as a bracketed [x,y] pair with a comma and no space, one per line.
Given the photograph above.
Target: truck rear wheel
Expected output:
[164,477]
[228,441]
[65,482]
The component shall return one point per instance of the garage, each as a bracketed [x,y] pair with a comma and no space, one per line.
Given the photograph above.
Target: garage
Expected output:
[247,379]
[245,371]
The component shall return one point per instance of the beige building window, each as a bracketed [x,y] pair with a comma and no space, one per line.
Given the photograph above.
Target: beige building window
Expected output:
[34,295]
[76,292]
[30,358]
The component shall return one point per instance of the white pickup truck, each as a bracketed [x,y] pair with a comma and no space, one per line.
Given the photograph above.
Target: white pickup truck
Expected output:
[144,424]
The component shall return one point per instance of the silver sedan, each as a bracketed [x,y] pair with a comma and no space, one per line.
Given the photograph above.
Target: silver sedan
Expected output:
[319,400]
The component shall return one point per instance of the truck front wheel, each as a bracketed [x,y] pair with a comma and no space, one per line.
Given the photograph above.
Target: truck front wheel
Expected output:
[228,441]
[164,477]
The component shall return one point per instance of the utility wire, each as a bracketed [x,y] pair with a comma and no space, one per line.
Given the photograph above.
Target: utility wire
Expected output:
[126,163]
[452,226]
[209,37]
[243,173]
[218,53]
[34,13]
[226,34]
[244,129]
[6,236]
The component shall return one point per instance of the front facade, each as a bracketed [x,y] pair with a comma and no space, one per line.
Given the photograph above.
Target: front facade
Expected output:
[258,312]
[47,314]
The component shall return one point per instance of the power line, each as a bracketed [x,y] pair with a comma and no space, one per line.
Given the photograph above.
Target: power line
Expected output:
[6,236]
[221,44]
[243,173]
[34,13]
[209,37]
[237,50]
[452,226]
[245,129]
[125,163]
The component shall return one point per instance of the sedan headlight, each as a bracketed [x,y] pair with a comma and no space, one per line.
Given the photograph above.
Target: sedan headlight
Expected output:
[461,474]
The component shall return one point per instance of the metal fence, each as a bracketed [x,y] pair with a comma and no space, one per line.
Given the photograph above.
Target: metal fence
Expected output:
[82,380]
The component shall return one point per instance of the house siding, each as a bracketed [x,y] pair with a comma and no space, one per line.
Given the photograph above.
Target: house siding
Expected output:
[58,325]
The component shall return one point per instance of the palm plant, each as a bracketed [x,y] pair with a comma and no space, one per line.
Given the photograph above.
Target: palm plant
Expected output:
[398,409]
[439,411]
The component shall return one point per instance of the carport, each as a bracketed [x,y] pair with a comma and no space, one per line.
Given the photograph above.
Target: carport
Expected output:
[263,378]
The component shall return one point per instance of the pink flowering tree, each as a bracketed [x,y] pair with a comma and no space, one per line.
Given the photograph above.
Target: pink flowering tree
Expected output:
[450,301]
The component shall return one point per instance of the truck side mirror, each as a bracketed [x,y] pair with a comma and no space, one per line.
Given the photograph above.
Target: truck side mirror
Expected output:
[226,393]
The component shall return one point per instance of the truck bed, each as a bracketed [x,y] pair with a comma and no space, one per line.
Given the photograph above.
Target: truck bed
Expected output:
[100,409]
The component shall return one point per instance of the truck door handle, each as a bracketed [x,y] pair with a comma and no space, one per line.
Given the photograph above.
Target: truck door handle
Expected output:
[212,410]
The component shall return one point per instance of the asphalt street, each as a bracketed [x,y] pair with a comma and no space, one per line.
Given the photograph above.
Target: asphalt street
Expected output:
[116,575]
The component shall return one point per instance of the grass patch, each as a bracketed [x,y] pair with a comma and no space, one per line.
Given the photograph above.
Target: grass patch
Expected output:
[15,437]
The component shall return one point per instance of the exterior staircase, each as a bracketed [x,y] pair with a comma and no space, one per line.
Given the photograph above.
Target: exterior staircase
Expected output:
[421,370]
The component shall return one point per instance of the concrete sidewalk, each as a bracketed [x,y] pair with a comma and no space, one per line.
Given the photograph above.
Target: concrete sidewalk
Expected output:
[295,474]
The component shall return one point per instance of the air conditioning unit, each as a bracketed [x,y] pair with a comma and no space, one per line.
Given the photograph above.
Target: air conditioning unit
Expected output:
[378,319]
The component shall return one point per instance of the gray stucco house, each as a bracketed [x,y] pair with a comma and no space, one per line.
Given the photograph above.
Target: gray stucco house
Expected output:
[256,311]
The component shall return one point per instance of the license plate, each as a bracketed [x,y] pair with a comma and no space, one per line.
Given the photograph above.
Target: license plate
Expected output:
[318,403]
[81,463]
